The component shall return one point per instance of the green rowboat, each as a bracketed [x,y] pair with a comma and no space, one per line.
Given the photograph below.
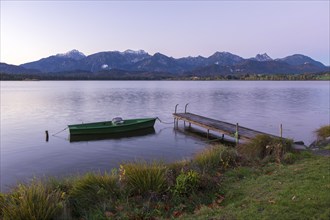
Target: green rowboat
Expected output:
[117,125]
[113,136]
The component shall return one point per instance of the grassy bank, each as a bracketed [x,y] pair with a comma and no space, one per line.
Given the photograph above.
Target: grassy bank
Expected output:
[269,182]
[276,191]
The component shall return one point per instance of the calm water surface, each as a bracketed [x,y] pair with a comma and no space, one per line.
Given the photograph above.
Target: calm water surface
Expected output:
[30,108]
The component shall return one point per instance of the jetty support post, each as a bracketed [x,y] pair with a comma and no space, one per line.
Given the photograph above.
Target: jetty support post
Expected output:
[175,119]
[237,134]
[176,122]
[281,133]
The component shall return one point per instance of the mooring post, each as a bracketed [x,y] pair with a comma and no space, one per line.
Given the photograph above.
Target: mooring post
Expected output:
[281,131]
[47,136]
[222,137]
[189,125]
[237,135]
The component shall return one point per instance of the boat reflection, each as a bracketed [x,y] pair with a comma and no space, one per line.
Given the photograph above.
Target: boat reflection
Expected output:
[97,137]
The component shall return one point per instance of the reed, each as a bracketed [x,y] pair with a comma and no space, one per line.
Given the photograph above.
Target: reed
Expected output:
[215,157]
[140,178]
[93,190]
[34,201]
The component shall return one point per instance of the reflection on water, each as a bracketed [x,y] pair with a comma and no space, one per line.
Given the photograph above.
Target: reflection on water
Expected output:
[30,108]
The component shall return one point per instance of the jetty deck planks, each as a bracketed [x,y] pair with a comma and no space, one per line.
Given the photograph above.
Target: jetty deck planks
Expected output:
[219,126]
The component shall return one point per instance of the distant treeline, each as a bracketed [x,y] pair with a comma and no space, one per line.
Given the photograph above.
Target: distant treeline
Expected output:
[161,76]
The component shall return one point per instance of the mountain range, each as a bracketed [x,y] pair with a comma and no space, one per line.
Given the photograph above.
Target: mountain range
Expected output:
[140,62]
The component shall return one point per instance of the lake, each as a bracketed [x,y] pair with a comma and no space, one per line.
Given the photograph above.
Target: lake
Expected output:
[29,108]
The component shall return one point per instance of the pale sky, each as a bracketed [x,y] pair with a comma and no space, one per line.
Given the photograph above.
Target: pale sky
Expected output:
[31,30]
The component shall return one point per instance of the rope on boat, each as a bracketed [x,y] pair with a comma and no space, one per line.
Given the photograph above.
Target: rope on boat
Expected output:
[164,122]
[60,131]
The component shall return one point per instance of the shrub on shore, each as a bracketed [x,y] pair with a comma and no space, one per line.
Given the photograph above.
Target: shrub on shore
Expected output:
[186,183]
[266,148]
[289,158]
[323,132]
[215,157]
[322,138]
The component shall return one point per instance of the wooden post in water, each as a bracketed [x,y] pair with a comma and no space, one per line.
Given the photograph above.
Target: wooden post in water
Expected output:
[176,106]
[281,131]
[237,135]
[47,136]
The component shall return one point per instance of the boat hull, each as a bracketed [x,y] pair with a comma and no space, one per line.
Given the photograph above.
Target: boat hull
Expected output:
[108,127]
[112,136]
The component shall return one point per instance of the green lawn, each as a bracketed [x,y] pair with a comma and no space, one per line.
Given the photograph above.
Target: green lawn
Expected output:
[297,191]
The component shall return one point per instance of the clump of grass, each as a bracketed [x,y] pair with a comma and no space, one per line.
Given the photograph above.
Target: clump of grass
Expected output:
[175,169]
[93,190]
[215,157]
[140,178]
[34,201]
[2,203]
[61,184]
[289,158]
[327,147]
[323,132]
[186,182]
[177,166]
[266,148]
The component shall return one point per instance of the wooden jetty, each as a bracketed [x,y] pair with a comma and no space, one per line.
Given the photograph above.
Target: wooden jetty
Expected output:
[224,128]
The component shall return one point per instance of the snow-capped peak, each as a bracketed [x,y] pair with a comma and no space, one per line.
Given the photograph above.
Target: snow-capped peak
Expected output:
[74,54]
[262,57]
[137,52]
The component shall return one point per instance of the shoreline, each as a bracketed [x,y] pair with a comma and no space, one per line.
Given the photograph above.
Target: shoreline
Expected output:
[208,179]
